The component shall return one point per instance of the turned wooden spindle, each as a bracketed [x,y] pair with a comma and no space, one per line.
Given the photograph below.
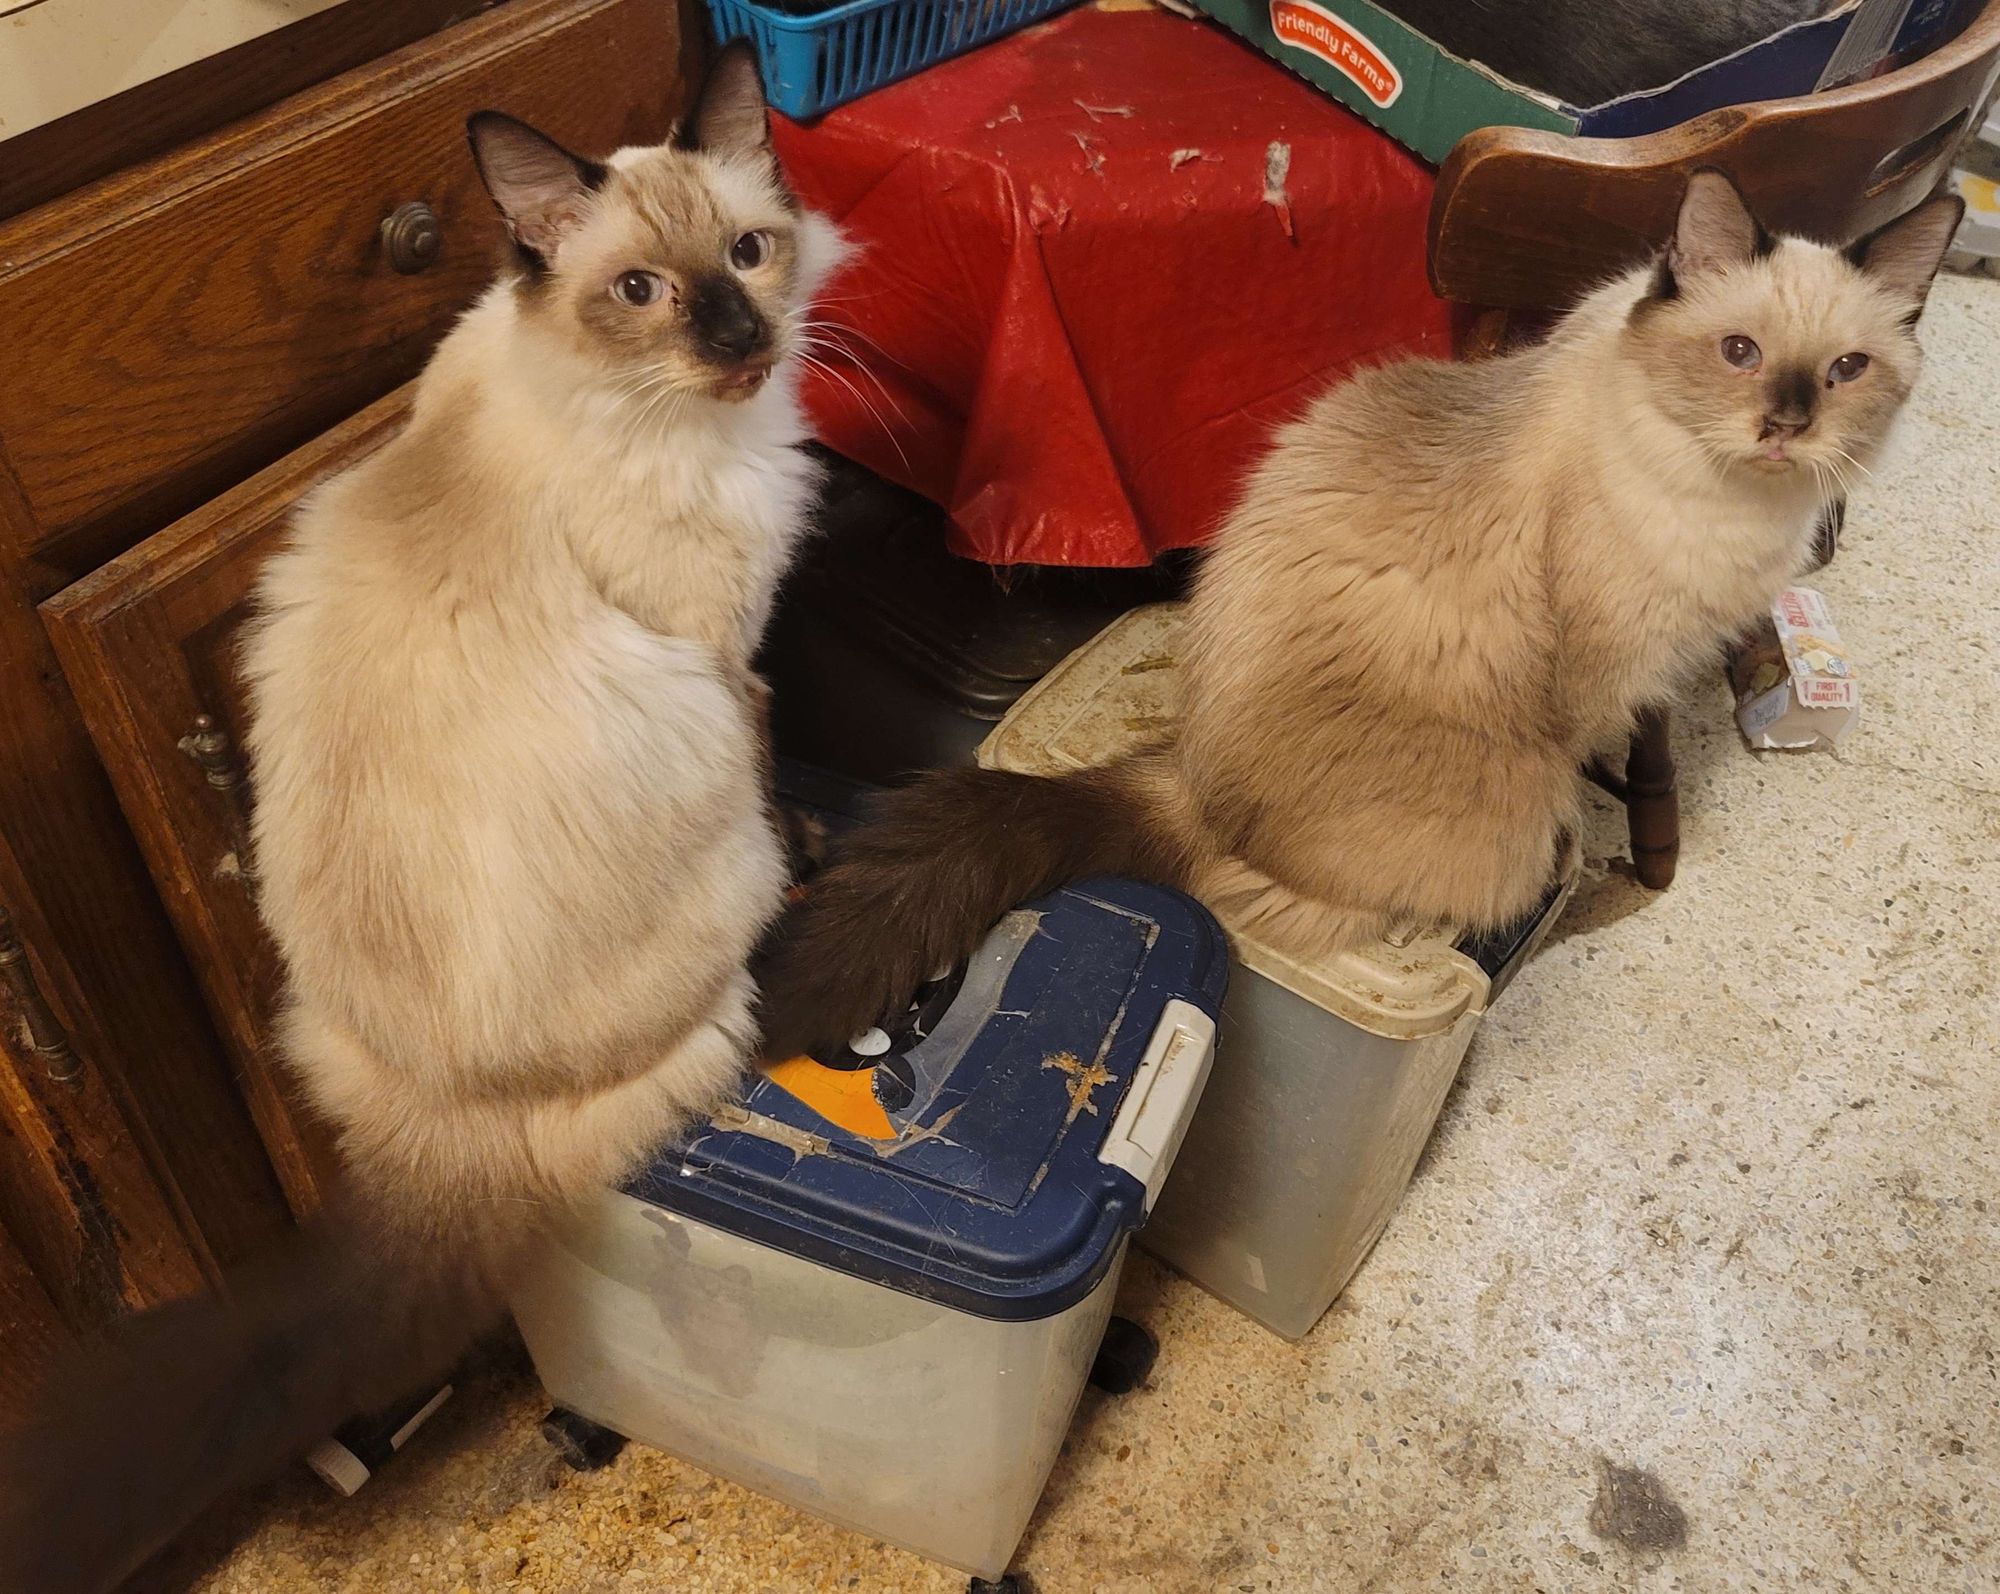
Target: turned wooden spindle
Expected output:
[208,744]
[46,1036]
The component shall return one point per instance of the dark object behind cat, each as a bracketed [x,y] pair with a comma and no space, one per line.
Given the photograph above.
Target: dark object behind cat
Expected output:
[1590,51]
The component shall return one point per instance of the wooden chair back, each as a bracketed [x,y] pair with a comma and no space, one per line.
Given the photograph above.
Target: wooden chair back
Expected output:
[1524,219]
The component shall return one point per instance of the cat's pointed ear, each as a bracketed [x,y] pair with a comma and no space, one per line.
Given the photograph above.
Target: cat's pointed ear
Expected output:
[1904,255]
[543,191]
[729,115]
[1714,230]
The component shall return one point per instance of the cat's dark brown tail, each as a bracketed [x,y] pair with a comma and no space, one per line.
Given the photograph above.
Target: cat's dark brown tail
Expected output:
[129,1443]
[914,889]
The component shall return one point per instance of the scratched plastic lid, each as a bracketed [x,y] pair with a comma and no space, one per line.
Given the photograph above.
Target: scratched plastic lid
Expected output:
[967,1165]
[970,1173]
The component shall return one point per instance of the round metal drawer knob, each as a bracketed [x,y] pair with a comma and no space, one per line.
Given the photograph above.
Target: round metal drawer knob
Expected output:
[412,237]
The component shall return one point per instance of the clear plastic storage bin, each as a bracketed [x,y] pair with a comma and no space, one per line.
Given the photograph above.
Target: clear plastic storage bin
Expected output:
[1330,1076]
[875,1291]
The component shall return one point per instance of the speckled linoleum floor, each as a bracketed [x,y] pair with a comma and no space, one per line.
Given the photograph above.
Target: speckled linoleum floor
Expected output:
[1697,1289]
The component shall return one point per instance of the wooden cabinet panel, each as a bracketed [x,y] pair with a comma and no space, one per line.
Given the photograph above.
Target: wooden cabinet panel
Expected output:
[194,317]
[156,1087]
[31,1332]
[86,1205]
[148,644]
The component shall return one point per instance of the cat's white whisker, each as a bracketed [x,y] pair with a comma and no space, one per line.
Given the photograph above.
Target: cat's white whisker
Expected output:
[820,344]
[848,329]
[623,399]
[812,362]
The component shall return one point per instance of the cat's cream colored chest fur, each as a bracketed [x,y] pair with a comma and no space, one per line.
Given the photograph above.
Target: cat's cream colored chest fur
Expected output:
[691,537]
[1646,581]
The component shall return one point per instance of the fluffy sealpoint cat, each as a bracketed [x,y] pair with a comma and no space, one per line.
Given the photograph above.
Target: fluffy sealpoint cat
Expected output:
[511,831]
[1446,586]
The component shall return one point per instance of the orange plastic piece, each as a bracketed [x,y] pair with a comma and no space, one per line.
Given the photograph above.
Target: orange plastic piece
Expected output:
[841,1096]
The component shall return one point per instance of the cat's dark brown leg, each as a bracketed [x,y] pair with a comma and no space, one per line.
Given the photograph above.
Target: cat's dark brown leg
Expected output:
[1826,538]
[1652,807]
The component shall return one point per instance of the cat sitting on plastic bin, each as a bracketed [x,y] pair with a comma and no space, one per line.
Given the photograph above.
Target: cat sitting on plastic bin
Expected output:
[1444,589]
[512,834]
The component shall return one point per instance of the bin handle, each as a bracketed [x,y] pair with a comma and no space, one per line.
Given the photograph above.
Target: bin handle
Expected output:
[1146,1135]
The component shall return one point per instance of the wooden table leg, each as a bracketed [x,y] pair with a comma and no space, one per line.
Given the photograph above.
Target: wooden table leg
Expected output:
[1652,807]
[1485,337]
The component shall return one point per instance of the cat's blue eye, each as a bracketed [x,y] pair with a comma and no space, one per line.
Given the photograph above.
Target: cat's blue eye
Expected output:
[1847,368]
[750,251]
[1742,352]
[637,288]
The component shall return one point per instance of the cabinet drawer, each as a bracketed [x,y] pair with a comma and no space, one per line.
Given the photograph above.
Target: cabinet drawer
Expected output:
[197,316]
[146,119]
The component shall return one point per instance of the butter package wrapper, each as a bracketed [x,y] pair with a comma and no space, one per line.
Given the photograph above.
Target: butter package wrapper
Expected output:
[1795,685]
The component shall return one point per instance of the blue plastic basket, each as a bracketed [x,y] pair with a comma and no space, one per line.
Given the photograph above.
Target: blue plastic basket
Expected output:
[814,62]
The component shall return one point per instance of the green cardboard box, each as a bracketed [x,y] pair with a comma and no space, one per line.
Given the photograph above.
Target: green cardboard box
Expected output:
[1425,97]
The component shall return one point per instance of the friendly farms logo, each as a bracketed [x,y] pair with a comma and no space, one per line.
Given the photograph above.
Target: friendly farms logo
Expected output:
[1318,32]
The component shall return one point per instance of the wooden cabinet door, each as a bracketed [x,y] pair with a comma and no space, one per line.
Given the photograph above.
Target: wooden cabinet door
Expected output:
[93,1225]
[31,1331]
[149,646]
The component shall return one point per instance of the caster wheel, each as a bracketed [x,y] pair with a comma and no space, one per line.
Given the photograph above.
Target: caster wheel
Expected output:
[1012,1583]
[582,1443]
[1124,1358]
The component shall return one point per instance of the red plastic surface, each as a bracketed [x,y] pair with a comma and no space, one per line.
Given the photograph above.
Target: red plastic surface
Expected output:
[1083,300]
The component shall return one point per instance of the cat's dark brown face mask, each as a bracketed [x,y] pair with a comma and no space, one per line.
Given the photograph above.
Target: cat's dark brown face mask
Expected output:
[684,268]
[1780,355]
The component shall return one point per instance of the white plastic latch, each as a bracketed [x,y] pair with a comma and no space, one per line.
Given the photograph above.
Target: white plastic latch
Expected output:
[1146,1135]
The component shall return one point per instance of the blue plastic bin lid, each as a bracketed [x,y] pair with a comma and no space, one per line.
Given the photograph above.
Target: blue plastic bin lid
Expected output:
[970,1173]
